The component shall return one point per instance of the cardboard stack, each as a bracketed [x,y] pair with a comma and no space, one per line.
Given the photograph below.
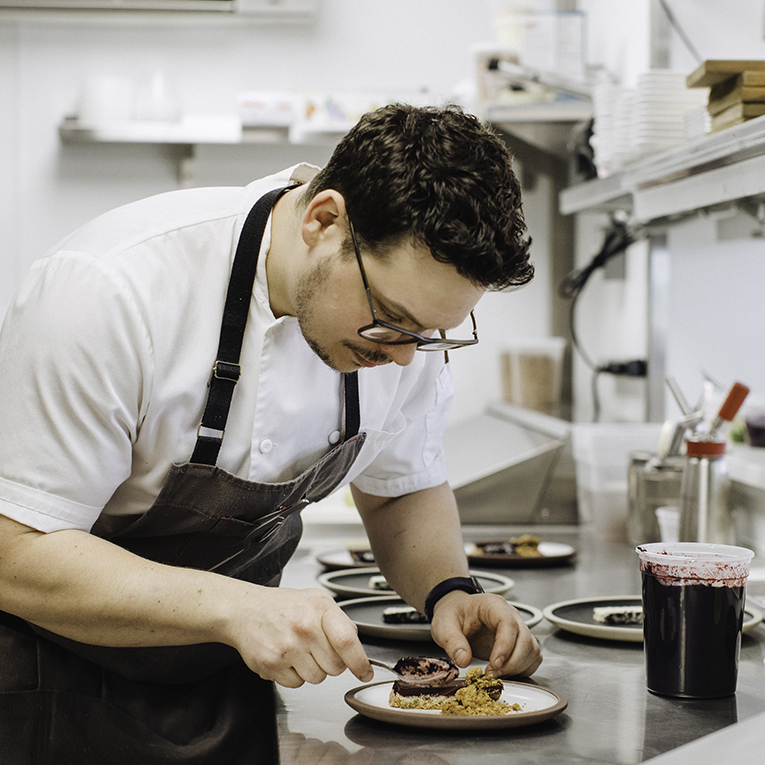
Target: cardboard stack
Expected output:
[736,90]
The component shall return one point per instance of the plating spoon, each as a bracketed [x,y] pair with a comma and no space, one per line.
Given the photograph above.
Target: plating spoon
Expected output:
[421,670]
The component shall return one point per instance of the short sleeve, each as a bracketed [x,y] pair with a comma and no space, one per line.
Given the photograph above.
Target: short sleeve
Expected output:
[74,354]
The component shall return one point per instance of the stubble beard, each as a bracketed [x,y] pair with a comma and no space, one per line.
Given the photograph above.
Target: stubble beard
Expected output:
[307,289]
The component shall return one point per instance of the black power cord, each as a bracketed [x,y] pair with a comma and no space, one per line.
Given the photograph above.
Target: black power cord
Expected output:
[618,238]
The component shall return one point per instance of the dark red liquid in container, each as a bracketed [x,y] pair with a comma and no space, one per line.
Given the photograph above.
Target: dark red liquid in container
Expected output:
[692,635]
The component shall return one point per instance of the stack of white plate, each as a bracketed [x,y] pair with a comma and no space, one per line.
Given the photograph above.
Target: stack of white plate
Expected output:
[603,141]
[624,115]
[658,118]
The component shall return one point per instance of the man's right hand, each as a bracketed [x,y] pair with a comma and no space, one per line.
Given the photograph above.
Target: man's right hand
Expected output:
[87,589]
[296,636]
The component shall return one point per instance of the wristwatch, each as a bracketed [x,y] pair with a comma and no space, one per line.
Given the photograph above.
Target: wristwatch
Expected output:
[468,584]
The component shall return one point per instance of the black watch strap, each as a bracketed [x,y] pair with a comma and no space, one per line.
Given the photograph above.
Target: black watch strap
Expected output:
[466,583]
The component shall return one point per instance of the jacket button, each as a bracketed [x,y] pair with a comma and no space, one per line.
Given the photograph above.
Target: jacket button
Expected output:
[334,437]
[265,446]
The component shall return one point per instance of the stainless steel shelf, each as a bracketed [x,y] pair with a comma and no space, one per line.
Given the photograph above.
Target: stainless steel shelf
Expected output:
[711,170]
[546,124]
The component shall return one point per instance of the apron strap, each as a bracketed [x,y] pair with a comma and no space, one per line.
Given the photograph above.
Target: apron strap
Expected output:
[352,413]
[226,370]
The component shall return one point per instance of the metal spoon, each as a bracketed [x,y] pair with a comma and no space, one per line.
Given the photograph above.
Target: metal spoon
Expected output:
[444,670]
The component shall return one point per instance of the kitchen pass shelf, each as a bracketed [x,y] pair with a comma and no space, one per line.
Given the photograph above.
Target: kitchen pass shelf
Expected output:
[711,170]
[192,130]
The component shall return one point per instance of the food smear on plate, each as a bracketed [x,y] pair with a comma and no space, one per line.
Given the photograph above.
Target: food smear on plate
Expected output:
[378,582]
[618,615]
[362,555]
[525,546]
[477,694]
[403,615]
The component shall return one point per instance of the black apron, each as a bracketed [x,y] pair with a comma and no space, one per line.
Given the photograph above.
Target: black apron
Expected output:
[203,518]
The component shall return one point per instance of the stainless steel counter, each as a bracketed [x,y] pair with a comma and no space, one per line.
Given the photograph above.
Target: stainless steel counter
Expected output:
[611,717]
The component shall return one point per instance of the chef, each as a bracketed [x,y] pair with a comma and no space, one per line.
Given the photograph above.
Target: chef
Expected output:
[182,375]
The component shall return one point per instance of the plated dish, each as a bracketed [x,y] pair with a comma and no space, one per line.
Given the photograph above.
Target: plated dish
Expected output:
[367,615]
[538,704]
[576,616]
[355,582]
[341,558]
[552,554]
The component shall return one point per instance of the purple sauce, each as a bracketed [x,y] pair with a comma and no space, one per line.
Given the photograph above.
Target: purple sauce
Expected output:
[692,636]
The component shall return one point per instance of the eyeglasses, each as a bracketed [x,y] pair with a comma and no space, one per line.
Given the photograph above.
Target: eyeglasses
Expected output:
[389,334]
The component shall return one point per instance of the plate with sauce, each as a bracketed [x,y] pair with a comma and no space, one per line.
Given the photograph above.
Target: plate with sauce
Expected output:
[537,704]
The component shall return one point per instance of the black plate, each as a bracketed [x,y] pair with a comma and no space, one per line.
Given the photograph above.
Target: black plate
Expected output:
[354,583]
[367,615]
[576,616]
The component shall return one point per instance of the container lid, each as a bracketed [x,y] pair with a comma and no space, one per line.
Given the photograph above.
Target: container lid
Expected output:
[684,563]
[701,447]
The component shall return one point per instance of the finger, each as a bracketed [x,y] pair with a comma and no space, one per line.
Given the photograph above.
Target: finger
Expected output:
[308,669]
[505,640]
[523,658]
[454,642]
[459,651]
[344,641]
[288,678]
[526,656]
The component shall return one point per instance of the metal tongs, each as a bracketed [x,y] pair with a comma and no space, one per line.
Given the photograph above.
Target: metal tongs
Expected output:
[691,419]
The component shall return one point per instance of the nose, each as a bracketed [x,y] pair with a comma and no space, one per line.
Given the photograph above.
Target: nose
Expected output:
[401,354]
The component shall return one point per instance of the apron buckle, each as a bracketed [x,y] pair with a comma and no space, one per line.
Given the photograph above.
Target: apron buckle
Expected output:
[225,370]
[203,431]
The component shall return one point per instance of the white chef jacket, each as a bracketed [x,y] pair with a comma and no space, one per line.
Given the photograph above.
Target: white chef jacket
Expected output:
[107,349]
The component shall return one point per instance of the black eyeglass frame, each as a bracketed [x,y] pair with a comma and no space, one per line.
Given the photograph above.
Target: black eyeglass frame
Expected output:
[423,343]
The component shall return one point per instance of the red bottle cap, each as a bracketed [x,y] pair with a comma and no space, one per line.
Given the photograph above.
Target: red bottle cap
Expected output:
[733,402]
[699,447]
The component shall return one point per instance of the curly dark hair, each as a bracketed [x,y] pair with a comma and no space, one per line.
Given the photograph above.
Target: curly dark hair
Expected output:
[439,176]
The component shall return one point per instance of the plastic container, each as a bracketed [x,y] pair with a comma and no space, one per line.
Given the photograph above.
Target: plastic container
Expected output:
[693,613]
[602,458]
[532,373]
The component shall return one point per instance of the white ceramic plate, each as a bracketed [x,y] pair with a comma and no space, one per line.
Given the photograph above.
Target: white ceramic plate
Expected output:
[576,616]
[367,615]
[354,582]
[537,704]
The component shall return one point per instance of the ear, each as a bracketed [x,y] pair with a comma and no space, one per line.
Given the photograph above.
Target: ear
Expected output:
[325,210]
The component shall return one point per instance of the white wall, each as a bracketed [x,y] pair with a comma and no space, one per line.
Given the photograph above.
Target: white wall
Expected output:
[618,37]
[717,315]
[399,46]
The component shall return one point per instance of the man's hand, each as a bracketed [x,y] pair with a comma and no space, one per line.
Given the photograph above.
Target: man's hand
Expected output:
[297,636]
[87,589]
[487,627]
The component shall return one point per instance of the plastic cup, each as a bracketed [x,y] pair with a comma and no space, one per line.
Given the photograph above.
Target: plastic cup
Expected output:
[693,611]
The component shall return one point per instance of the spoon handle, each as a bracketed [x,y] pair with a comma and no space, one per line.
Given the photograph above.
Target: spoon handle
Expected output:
[376,663]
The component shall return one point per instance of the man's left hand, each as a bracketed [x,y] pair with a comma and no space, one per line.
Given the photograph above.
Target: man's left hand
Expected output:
[487,627]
